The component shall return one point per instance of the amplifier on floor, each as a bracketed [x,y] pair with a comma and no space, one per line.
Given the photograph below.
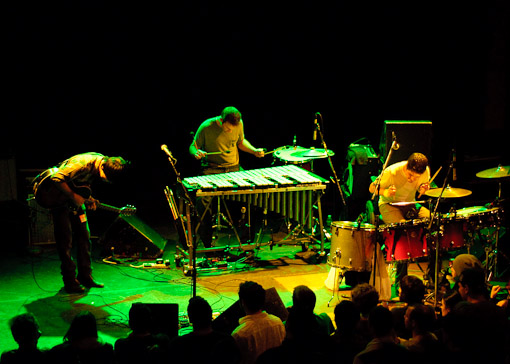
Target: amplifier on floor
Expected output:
[165,318]
[130,237]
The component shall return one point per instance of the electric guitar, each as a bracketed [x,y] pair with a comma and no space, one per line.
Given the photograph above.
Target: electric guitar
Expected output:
[49,196]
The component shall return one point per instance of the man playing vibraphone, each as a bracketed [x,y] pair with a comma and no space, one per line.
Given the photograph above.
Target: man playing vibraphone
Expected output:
[216,144]
[399,183]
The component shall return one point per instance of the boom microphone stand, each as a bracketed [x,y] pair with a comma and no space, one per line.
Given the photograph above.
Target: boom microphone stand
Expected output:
[190,206]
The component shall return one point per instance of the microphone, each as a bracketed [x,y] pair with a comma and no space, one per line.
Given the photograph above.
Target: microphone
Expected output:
[315,126]
[164,148]
[454,164]
[394,144]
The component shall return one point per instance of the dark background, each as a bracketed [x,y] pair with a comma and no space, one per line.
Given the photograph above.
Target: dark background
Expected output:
[122,79]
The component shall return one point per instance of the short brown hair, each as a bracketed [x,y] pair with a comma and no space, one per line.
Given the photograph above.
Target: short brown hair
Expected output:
[417,162]
[231,115]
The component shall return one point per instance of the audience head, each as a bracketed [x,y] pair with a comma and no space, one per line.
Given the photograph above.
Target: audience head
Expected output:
[303,299]
[83,326]
[140,318]
[472,284]
[420,318]
[346,316]
[25,329]
[449,301]
[380,321]
[463,262]
[365,297]
[412,290]
[252,296]
[199,312]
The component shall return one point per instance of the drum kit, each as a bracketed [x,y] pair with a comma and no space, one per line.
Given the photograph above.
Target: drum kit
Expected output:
[352,243]
[300,155]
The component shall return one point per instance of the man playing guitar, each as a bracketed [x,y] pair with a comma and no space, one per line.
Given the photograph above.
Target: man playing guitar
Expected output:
[65,190]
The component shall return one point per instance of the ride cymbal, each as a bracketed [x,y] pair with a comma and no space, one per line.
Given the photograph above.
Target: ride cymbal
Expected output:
[449,192]
[498,172]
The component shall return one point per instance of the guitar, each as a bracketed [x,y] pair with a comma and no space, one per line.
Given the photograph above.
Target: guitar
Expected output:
[49,196]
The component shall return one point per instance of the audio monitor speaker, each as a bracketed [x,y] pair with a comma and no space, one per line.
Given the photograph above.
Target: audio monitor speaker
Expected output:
[130,237]
[229,319]
[165,318]
[411,135]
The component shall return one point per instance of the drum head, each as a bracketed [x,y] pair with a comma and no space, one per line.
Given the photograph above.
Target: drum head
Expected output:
[352,225]
[471,210]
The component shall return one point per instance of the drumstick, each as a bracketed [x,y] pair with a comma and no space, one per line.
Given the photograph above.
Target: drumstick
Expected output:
[434,176]
[212,153]
[271,152]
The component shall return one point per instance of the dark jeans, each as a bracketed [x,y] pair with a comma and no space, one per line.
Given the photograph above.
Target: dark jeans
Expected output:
[71,227]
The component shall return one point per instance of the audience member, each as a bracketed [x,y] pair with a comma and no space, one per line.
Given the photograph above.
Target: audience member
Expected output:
[303,300]
[258,330]
[25,331]
[203,344]
[384,348]
[365,297]
[346,341]
[477,330]
[411,291]
[141,344]
[304,342]
[420,320]
[81,344]
[463,262]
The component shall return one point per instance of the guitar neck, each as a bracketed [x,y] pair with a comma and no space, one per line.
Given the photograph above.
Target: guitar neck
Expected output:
[106,207]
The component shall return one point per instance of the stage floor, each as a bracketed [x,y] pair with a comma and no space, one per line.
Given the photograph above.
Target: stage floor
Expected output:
[32,283]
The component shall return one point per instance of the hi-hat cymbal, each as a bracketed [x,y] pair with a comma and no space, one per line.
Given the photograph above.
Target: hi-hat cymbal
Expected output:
[316,153]
[498,172]
[449,192]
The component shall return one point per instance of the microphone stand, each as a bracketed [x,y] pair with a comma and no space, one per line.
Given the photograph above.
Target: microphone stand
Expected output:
[190,241]
[432,218]
[323,142]
[377,192]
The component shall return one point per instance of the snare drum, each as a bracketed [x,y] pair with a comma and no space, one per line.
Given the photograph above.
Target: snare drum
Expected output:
[404,241]
[350,245]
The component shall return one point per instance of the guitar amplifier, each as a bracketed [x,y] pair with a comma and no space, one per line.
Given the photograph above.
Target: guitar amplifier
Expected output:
[130,237]
[411,135]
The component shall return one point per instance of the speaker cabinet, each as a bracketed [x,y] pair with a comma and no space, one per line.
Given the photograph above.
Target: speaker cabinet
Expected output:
[165,318]
[412,136]
[229,319]
[130,237]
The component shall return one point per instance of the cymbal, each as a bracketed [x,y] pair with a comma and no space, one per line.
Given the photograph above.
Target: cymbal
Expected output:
[498,172]
[316,153]
[449,192]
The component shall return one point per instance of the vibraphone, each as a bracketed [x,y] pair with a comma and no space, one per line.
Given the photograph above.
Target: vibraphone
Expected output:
[288,190]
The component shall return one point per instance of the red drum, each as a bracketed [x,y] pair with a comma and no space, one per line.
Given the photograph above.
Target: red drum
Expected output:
[351,244]
[405,241]
[451,234]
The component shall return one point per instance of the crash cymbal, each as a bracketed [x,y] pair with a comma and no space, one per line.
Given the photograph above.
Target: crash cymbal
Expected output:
[498,172]
[316,153]
[449,192]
